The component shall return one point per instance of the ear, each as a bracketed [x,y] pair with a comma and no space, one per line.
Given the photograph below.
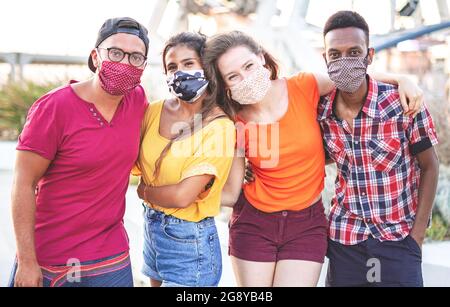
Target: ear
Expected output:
[95,58]
[370,55]
[228,93]
[324,55]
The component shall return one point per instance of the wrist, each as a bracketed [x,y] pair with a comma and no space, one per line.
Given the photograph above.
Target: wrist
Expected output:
[27,261]
[418,232]
[402,78]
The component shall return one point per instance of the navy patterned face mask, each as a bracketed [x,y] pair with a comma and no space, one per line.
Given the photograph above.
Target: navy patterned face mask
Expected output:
[188,85]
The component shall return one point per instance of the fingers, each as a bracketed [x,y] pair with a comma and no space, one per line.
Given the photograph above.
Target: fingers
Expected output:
[412,104]
[420,101]
[404,102]
[249,177]
[416,106]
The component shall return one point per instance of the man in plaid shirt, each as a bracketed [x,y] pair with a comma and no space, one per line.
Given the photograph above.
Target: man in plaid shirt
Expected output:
[387,167]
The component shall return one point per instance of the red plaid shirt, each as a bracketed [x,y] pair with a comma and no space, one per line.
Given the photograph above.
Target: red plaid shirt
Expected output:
[378,176]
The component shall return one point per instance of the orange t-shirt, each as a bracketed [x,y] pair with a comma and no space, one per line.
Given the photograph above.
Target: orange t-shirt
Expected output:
[287,157]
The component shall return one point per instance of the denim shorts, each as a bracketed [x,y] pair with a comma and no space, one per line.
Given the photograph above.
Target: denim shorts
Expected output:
[180,253]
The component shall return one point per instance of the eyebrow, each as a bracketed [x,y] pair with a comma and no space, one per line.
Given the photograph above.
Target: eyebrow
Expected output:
[182,61]
[351,48]
[188,59]
[143,53]
[245,64]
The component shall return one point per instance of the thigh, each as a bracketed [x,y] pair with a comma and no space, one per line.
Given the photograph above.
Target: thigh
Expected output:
[306,236]
[400,263]
[253,235]
[297,273]
[253,274]
[348,265]
[155,283]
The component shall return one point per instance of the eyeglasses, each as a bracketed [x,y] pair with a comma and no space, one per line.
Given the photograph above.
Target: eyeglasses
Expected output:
[116,55]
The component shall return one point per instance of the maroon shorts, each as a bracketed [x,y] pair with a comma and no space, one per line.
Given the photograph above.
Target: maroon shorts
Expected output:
[285,235]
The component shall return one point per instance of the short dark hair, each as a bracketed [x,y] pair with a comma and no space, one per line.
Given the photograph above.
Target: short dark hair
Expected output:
[346,19]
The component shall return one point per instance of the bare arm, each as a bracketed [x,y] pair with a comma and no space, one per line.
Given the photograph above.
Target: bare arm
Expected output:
[324,83]
[429,173]
[180,195]
[411,95]
[233,186]
[30,167]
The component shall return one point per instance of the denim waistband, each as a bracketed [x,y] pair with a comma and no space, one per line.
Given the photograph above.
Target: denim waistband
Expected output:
[153,214]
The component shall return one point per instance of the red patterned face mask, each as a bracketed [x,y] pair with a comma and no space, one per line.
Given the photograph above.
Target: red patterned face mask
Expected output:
[118,79]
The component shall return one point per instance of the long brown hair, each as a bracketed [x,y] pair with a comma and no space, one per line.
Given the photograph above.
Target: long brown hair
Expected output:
[215,47]
[195,42]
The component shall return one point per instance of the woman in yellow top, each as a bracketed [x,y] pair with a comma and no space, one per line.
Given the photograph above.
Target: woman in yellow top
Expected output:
[186,154]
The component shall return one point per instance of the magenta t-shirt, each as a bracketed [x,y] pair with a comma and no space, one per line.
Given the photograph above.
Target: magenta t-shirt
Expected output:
[80,201]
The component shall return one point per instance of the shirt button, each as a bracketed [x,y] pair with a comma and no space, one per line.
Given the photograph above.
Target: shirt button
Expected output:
[356,142]
[91,109]
[95,114]
[369,221]
[285,213]
[363,193]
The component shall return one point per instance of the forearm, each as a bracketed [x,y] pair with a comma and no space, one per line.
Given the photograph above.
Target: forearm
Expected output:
[163,196]
[233,186]
[23,213]
[229,197]
[427,192]
[389,78]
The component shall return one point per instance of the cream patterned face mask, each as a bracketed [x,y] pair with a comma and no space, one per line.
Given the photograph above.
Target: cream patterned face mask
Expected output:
[348,73]
[252,89]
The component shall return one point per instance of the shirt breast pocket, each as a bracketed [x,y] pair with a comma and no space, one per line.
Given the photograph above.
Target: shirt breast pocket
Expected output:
[386,154]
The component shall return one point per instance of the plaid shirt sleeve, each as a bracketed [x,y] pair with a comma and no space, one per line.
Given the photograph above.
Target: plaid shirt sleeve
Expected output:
[422,132]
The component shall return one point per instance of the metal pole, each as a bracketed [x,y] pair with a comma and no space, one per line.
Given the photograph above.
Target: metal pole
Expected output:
[443,9]
[157,15]
[393,14]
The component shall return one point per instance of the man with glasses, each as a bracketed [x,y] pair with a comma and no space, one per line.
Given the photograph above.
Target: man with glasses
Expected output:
[74,158]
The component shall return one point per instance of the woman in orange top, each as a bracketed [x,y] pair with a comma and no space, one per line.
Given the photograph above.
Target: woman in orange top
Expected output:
[278,230]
